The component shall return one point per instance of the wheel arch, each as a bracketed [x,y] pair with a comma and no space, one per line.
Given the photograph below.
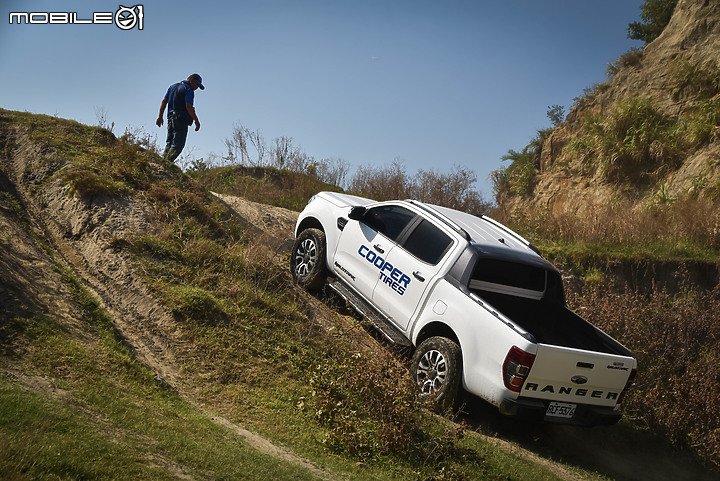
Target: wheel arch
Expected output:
[436,328]
[309,223]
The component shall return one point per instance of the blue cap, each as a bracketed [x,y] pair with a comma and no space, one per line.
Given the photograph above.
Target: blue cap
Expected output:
[198,79]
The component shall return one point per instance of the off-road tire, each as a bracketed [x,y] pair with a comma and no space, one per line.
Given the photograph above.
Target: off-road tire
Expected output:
[437,369]
[307,260]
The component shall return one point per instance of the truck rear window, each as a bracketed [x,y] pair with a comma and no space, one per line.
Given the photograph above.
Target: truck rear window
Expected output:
[507,277]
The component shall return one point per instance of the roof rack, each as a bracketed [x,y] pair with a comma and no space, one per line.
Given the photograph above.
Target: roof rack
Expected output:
[441,218]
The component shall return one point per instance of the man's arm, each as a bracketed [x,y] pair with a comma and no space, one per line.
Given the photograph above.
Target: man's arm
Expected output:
[159,120]
[193,115]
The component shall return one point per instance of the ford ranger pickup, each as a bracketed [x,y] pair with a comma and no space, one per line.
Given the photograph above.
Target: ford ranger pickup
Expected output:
[476,303]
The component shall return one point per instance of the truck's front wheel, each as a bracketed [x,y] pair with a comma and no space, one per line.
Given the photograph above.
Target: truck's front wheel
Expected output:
[307,261]
[437,369]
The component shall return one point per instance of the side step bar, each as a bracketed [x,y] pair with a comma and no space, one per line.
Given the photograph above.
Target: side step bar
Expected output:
[370,313]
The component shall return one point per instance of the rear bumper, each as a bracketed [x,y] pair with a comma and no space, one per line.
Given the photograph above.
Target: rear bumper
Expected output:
[585,415]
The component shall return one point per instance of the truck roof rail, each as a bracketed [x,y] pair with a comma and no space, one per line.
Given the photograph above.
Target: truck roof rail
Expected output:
[441,218]
[512,233]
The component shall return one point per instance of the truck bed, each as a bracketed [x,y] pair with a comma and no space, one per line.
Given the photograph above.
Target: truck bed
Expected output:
[553,323]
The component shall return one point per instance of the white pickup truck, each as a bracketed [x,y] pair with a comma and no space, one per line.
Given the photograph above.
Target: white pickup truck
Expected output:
[482,309]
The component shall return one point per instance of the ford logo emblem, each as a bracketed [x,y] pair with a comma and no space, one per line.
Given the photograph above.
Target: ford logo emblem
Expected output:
[579,379]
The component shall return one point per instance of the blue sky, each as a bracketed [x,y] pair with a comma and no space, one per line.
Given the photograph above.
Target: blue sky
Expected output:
[435,83]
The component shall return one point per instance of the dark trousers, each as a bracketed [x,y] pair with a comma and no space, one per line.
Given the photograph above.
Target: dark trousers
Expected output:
[176,137]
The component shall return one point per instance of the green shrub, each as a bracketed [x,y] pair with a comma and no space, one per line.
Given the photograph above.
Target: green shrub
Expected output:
[197,303]
[693,79]
[517,179]
[84,182]
[367,403]
[629,59]
[700,124]
[628,143]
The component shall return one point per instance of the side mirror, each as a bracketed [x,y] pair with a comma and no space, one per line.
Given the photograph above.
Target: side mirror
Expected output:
[357,213]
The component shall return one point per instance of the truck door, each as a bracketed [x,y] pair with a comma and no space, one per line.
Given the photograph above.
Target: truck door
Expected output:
[363,246]
[409,269]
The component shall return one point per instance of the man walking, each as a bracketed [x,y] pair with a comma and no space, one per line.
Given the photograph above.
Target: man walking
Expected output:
[179,99]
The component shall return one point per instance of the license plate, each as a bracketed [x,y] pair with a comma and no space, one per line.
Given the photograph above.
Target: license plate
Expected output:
[561,410]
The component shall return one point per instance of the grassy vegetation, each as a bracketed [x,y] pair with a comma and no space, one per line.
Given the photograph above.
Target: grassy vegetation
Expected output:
[676,340]
[671,328]
[253,350]
[255,345]
[634,146]
[99,414]
[75,402]
[518,179]
[267,185]
[630,58]
[694,80]
[628,143]
[633,143]
[658,231]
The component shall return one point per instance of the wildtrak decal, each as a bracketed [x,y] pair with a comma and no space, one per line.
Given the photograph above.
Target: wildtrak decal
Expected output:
[347,272]
[618,368]
[389,274]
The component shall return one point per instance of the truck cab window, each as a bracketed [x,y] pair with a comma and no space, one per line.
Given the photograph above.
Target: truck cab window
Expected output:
[427,243]
[388,220]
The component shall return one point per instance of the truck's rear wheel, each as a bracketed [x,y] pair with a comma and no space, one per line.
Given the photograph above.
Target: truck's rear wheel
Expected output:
[307,260]
[437,369]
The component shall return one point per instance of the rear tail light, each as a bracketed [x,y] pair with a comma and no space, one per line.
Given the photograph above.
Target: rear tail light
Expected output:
[516,368]
[630,381]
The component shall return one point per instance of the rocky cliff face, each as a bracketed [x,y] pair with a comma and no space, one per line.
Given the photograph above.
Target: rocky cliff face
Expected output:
[677,77]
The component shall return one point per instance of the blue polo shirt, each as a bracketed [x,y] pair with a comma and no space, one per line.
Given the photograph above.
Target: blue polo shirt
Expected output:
[177,95]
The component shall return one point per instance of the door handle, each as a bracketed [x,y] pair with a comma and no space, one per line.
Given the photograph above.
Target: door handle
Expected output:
[379,249]
[418,275]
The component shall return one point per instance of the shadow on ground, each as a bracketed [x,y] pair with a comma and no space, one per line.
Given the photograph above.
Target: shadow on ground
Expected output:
[617,452]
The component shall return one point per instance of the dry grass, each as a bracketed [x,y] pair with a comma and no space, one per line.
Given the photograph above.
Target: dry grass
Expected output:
[660,228]
[674,335]
[266,185]
[454,189]
[676,340]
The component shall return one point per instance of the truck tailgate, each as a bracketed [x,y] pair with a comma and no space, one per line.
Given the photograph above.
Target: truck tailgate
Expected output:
[572,375]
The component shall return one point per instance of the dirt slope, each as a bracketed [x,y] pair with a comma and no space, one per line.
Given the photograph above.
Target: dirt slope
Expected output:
[28,283]
[42,227]
[80,232]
